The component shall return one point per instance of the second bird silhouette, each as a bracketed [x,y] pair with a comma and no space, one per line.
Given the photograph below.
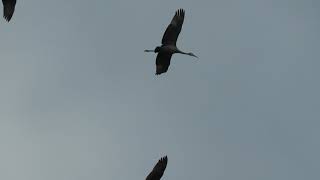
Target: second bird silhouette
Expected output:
[169,41]
[8,8]
[158,169]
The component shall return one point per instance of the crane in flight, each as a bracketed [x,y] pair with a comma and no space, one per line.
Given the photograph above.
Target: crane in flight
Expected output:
[8,8]
[158,169]
[169,40]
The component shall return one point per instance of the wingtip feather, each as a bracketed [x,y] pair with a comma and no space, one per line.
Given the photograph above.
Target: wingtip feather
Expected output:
[180,12]
[164,159]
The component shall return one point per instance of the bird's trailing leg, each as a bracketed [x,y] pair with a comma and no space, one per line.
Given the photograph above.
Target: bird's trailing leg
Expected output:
[148,50]
[190,54]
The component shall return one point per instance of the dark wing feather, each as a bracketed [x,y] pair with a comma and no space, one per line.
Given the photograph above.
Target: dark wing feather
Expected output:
[173,30]
[162,62]
[158,169]
[8,8]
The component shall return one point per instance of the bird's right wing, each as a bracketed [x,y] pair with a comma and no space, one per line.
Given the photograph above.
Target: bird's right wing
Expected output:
[162,62]
[158,169]
[173,30]
[8,8]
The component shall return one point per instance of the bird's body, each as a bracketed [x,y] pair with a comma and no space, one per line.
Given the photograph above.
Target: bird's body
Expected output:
[169,40]
[158,169]
[170,49]
[8,8]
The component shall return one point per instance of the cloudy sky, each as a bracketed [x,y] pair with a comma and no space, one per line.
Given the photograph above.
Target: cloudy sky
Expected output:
[79,99]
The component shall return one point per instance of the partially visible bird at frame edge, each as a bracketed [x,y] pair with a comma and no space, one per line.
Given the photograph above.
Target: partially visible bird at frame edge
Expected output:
[169,40]
[158,169]
[8,9]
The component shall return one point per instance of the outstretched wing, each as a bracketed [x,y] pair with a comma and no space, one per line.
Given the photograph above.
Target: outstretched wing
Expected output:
[173,30]
[158,169]
[8,8]
[162,62]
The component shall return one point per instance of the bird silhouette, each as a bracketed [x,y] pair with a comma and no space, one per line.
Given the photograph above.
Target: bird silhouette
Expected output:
[169,40]
[8,9]
[158,169]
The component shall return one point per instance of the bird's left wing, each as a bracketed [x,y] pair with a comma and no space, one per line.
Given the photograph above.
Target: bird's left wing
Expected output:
[173,30]
[8,8]
[158,169]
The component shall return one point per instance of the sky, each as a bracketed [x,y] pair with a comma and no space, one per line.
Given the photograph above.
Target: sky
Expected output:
[79,98]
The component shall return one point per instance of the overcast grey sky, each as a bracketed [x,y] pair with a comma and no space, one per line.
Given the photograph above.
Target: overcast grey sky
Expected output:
[80,101]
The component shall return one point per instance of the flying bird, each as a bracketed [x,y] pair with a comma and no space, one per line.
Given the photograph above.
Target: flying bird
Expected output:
[158,169]
[8,9]
[169,40]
